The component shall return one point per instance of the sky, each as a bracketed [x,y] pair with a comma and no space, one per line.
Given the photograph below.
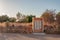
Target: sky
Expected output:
[27,7]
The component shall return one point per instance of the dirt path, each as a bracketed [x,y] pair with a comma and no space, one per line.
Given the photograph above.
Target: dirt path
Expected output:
[16,36]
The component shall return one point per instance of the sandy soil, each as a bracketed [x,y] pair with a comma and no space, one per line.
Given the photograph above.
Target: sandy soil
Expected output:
[16,36]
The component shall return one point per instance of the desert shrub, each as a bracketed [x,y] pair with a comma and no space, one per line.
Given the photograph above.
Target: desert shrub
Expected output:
[58,29]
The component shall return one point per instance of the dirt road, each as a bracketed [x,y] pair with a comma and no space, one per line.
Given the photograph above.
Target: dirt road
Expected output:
[16,36]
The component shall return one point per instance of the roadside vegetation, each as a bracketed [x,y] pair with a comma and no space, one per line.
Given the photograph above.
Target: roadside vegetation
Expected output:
[50,17]
[52,21]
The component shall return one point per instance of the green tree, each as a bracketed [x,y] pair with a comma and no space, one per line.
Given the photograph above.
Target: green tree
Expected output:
[12,19]
[58,21]
[4,18]
[18,15]
[58,17]
[48,16]
[29,18]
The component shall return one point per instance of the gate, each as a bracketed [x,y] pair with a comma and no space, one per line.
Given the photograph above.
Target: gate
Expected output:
[37,25]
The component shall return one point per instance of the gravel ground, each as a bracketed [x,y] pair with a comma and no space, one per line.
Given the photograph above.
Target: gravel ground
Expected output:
[38,36]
